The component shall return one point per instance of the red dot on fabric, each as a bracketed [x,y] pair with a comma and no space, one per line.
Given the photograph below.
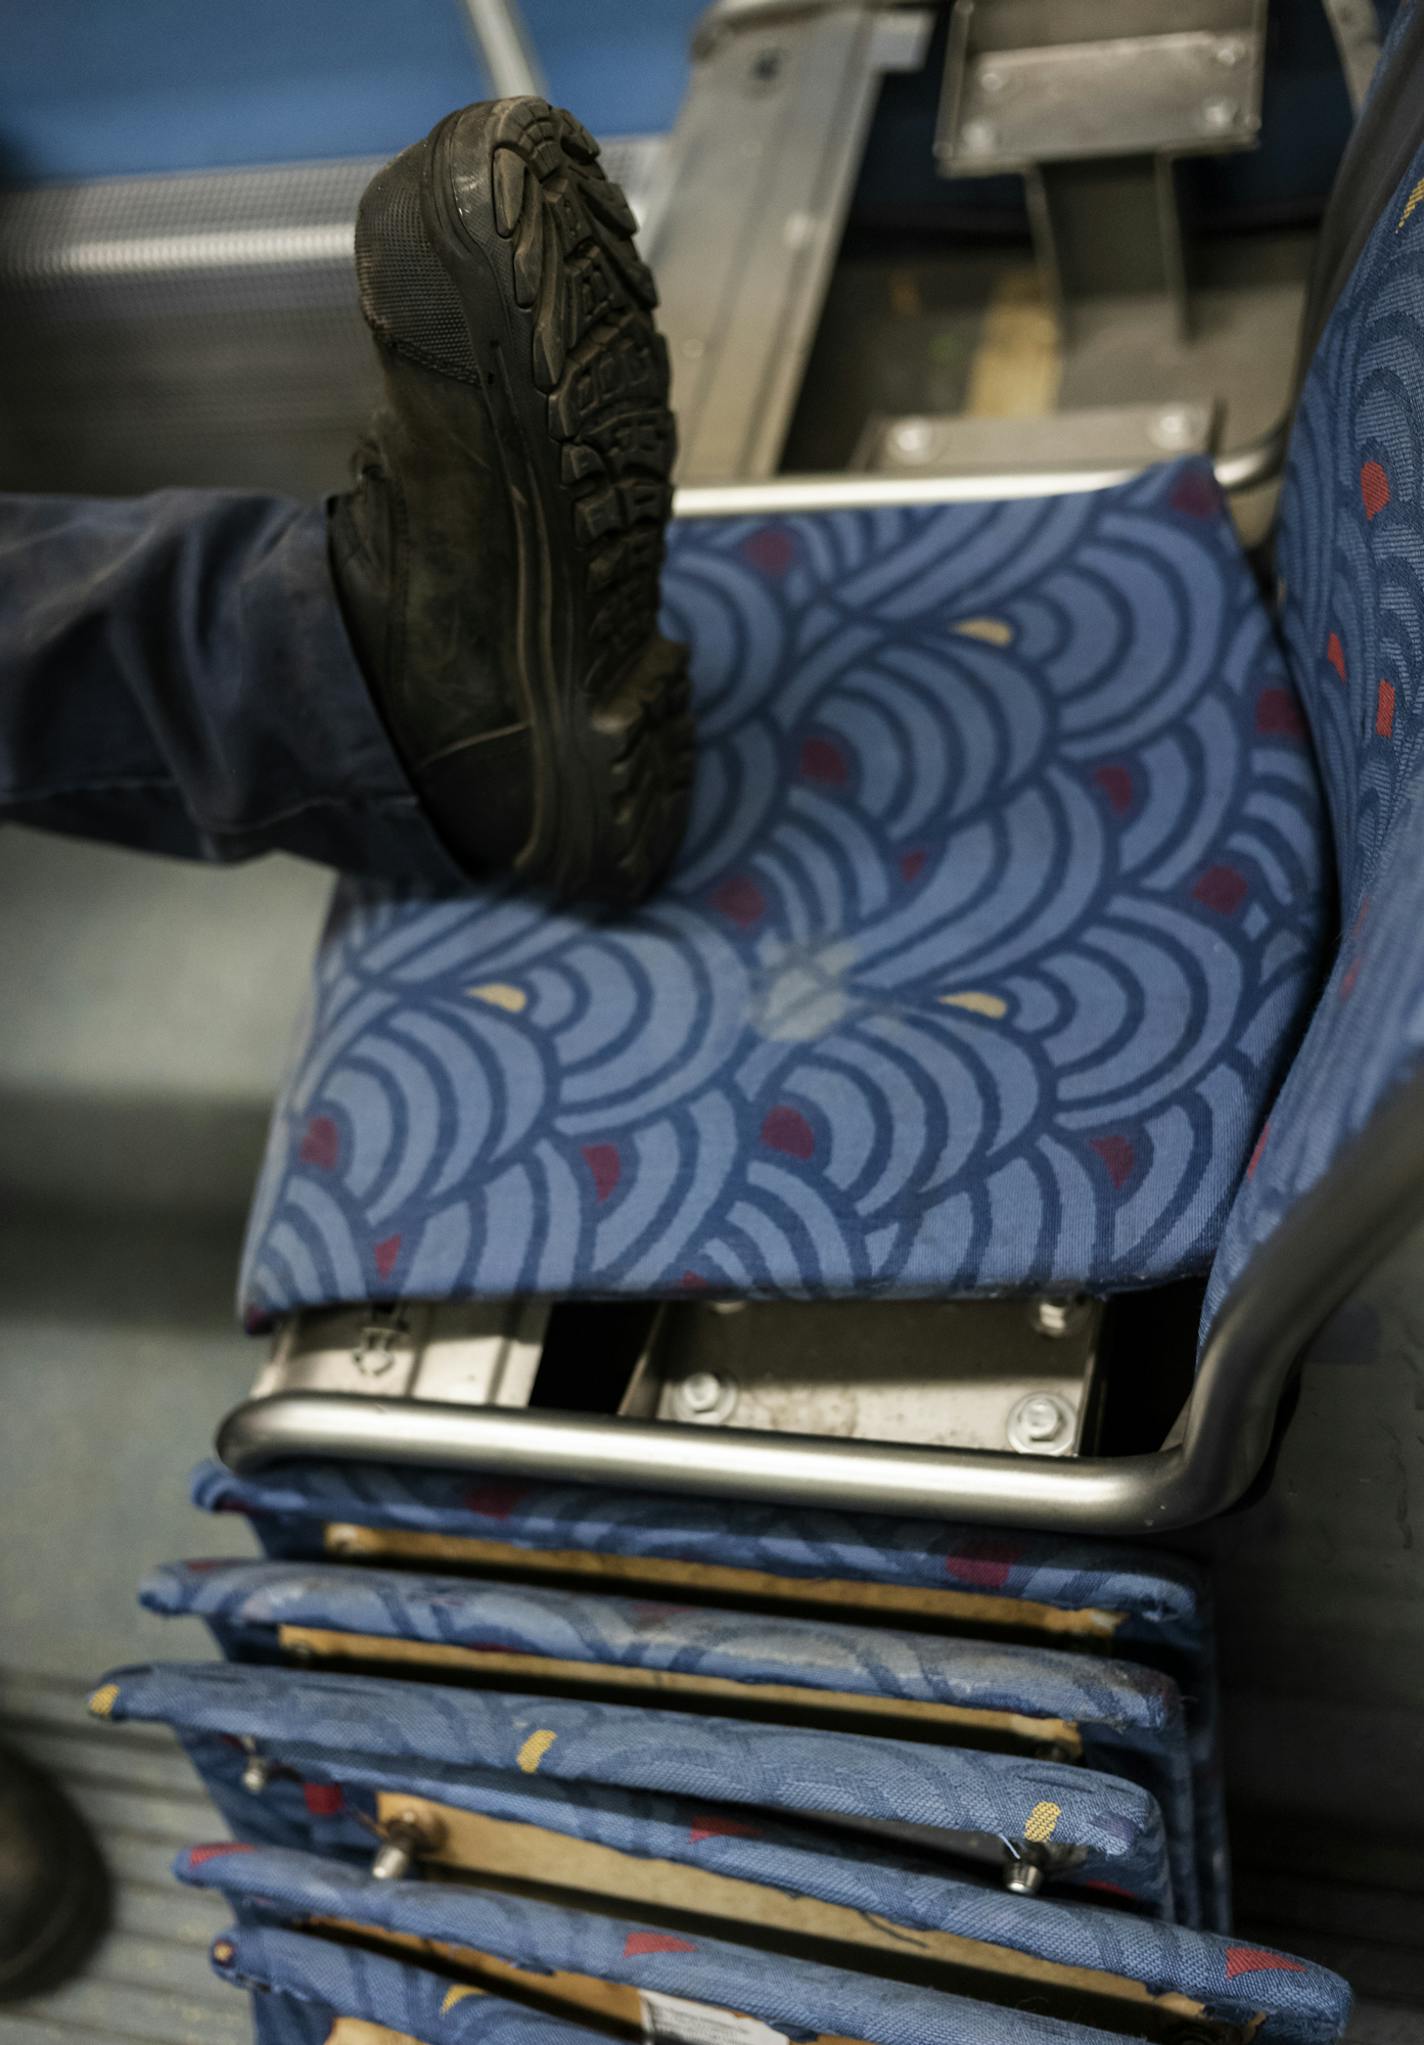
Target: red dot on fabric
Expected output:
[740,900]
[823,762]
[640,1942]
[1197,494]
[1221,888]
[1278,715]
[222,1849]
[912,865]
[384,1255]
[1251,1960]
[605,1168]
[1114,782]
[787,1130]
[771,551]
[1257,1151]
[323,1799]
[321,1144]
[1335,654]
[1374,489]
[985,1566]
[1118,1157]
[693,1281]
[1384,710]
[712,1825]
[494,1501]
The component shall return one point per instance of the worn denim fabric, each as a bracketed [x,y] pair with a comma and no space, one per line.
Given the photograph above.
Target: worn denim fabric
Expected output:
[175,675]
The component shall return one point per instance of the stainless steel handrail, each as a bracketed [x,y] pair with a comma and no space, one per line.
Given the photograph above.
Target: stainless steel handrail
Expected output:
[1368,1202]
[1242,468]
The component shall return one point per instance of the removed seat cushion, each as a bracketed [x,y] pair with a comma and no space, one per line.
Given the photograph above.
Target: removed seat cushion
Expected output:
[1003,894]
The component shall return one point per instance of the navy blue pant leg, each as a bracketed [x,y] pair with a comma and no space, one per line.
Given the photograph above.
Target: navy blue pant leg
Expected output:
[175,675]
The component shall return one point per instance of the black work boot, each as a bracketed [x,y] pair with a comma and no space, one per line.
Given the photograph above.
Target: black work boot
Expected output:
[53,1889]
[498,558]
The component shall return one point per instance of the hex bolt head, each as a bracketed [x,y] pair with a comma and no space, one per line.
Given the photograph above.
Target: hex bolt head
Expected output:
[1041,1425]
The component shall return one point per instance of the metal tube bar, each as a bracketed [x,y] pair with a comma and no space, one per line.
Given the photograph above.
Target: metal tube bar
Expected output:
[507,49]
[785,496]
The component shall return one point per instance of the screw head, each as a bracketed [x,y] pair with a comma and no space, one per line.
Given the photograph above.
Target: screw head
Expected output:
[913,439]
[1041,1425]
[1174,427]
[1219,114]
[704,1395]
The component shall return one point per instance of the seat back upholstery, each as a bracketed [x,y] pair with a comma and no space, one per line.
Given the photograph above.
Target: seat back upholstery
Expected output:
[1351,585]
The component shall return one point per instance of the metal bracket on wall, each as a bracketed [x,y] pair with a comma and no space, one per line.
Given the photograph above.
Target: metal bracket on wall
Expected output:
[756,185]
[1092,106]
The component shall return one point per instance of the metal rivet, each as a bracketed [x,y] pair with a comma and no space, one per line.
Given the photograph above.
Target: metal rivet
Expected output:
[1219,114]
[704,1395]
[1176,427]
[979,137]
[343,1540]
[1040,1425]
[1229,52]
[992,81]
[913,439]
[224,1952]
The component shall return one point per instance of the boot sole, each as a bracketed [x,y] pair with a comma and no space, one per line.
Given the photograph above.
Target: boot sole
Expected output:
[576,376]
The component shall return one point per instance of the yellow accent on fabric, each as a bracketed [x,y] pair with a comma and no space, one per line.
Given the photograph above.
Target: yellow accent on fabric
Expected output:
[104,1699]
[499,994]
[1042,1823]
[457,1994]
[978,1004]
[534,1749]
[1415,199]
[993,631]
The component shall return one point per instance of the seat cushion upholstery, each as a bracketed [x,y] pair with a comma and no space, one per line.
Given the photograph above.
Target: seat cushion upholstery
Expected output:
[1351,564]
[1001,899]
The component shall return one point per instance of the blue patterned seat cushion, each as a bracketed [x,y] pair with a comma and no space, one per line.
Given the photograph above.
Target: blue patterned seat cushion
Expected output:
[1351,561]
[1001,901]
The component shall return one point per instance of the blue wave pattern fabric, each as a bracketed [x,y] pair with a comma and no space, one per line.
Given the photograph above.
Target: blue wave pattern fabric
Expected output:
[1237,1984]
[1153,1606]
[1000,901]
[1351,562]
[1111,1827]
[305,1984]
[1160,1603]
[1129,1718]
[811,2000]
